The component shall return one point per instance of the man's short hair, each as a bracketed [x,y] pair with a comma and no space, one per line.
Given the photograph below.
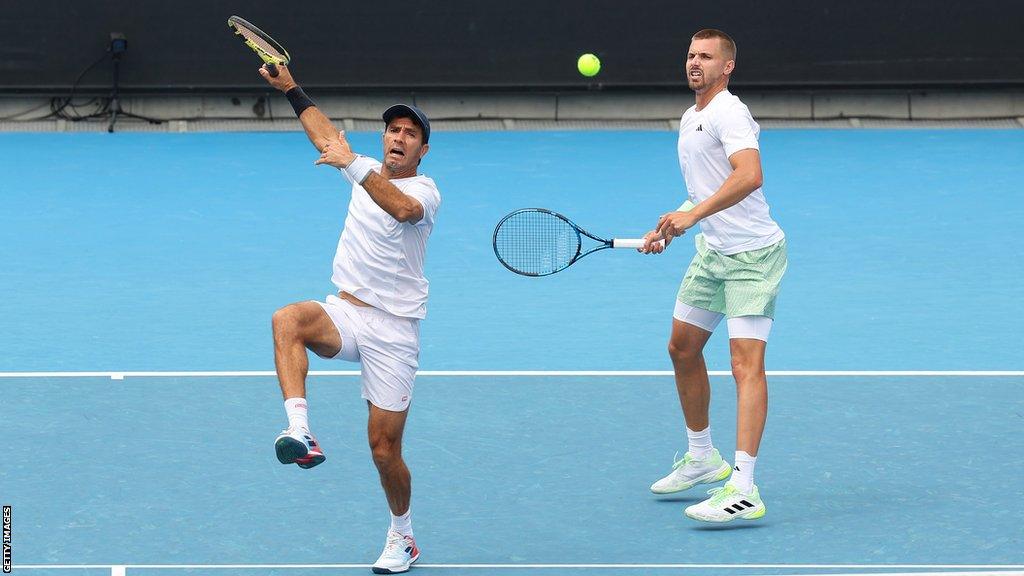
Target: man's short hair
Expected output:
[728,44]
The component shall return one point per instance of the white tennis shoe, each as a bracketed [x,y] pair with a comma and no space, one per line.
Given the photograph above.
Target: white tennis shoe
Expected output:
[688,471]
[399,554]
[727,504]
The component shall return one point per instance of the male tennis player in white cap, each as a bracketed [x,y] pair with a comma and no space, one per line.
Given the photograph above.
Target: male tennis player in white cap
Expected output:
[740,260]
[382,295]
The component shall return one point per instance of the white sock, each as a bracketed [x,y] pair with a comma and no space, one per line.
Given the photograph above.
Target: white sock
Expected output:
[298,416]
[402,524]
[743,472]
[700,442]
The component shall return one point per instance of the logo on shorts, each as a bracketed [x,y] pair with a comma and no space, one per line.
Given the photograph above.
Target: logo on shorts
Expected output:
[405,398]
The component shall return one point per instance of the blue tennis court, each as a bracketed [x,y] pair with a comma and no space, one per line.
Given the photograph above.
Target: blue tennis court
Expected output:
[140,272]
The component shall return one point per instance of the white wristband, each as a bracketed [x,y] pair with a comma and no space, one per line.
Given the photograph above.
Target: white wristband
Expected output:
[359,169]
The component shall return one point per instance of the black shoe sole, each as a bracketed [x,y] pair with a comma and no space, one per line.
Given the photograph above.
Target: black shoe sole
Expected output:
[289,450]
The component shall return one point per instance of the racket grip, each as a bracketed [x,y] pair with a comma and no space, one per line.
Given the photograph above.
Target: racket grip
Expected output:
[630,242]
[271,69]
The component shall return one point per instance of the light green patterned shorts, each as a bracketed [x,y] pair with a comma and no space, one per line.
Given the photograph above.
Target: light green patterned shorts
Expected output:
[743,284]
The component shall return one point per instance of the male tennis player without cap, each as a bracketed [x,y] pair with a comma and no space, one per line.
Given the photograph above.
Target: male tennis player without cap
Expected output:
[740,260]
[382,295]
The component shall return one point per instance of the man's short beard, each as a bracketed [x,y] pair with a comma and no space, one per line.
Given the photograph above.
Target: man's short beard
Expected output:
[703,84]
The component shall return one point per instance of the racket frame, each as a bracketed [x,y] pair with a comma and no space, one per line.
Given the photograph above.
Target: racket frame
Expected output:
[271,61]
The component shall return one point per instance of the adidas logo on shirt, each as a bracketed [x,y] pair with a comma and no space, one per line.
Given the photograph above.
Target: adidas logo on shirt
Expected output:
[700,128]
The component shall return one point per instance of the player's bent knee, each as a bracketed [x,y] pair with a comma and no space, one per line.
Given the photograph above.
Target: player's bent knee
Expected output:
[281,321]
[284,320]
[287,324]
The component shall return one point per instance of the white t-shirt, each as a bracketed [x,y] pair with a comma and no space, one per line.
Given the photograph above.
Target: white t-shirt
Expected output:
[379,259]
[706,140]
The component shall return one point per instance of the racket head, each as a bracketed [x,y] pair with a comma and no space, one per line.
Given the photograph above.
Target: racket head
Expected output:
[536,242]
[268,49]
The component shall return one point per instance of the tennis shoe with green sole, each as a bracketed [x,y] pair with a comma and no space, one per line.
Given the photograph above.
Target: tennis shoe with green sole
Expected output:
[727,504]
[688,471]
[298,446]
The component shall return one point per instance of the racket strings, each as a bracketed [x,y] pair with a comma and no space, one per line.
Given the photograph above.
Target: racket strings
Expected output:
[263,45]
[536,243]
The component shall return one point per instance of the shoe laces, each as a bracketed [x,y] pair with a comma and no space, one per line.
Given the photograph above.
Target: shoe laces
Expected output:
[395,543]
[720,494]
[680,462]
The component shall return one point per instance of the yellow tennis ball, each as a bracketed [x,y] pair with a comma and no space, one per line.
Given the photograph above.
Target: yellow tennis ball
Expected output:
[588,65]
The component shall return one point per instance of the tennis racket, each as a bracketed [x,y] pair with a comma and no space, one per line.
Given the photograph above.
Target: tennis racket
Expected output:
[272,53]
[539,242]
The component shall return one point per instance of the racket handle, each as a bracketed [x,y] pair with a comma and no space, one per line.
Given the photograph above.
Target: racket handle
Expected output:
[631,243]
[271,69]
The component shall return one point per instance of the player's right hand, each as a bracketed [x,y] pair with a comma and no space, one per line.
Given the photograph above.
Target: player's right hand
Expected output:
[283,81]
[653,243]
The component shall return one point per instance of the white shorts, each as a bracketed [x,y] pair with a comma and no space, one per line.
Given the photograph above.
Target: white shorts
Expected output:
[756,327]
[387,347]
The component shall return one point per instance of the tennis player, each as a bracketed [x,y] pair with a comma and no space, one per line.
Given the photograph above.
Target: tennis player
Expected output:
[382,295]
[735,274]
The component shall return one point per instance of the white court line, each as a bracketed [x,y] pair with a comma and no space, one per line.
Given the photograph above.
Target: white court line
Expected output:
[944,567]
[121,375]
[972,573]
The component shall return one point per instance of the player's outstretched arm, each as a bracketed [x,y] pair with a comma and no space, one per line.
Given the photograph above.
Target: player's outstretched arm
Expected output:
[317,125]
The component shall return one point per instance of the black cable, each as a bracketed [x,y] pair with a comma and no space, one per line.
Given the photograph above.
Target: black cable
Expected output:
[22,113]
[58,111]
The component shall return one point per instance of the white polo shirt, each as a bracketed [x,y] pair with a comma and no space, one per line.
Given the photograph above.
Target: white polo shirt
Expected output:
[379,259]
[706,140]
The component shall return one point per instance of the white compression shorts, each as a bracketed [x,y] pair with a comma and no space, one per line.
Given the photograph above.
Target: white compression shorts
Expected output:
[756,327]
[386,346]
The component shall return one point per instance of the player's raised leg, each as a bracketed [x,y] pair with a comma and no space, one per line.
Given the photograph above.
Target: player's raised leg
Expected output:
[385,429]
[298,327]
[702,463]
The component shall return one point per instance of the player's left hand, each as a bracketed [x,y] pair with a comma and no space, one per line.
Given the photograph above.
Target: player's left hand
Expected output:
[337,152]
[654,243]
[674,224]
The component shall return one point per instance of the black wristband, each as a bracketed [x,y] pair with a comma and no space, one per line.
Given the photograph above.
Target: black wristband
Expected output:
[299,100]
